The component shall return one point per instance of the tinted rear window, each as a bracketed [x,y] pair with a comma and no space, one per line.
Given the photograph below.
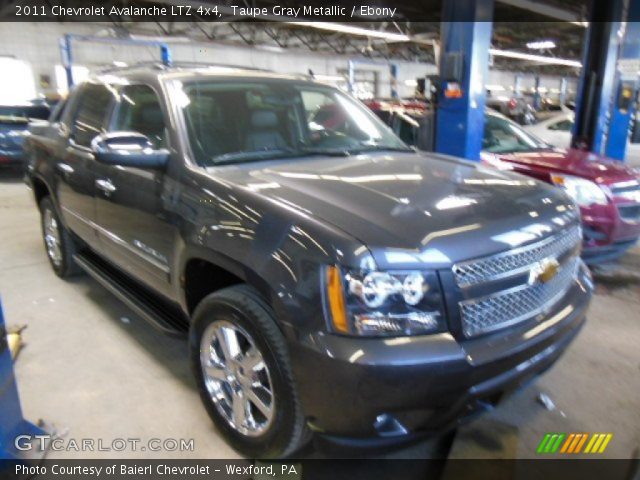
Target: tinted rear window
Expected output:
[27,112]
[91,115]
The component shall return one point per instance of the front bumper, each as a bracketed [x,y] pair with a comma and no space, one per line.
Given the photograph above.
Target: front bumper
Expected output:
[363,388]
[606,235]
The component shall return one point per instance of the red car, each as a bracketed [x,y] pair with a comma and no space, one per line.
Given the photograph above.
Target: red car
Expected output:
[607,191]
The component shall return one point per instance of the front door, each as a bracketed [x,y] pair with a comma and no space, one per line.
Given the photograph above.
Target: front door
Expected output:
[135,233]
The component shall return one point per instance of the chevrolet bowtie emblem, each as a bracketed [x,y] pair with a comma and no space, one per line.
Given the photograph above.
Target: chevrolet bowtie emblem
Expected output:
[543,271]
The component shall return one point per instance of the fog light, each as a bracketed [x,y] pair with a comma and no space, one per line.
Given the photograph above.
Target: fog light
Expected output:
[410,323]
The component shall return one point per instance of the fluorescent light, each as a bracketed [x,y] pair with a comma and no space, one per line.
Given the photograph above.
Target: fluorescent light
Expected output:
[535,58]
[541,45]
[118,63]
[341,28]
[581,24]
[270,48]
[161,38]
[495,88]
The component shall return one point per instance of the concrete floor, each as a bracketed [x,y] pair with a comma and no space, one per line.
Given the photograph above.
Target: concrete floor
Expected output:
[92,369]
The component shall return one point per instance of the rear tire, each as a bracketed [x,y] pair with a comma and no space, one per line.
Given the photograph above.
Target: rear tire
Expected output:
[58,242]
[268,426]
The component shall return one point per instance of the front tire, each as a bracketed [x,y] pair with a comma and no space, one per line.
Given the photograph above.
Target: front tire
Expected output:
[58,242]
[241,364]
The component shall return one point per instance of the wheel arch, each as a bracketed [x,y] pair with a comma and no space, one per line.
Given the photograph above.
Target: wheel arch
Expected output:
[40,189]
[203,272]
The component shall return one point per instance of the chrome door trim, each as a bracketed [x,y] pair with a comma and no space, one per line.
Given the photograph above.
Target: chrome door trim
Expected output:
[120,242]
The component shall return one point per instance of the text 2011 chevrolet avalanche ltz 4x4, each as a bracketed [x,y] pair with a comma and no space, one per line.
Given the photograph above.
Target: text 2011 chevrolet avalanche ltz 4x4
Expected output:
[330,278]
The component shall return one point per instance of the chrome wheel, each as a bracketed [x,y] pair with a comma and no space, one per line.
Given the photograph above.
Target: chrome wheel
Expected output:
[237,378]
[52,237]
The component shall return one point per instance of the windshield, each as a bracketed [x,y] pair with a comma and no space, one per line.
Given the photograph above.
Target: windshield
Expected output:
[247,121]
[504,136]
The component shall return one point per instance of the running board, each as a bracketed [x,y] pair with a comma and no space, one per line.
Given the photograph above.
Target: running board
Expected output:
[140,302]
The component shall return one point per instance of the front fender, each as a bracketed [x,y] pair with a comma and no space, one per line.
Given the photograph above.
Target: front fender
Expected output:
[277,250]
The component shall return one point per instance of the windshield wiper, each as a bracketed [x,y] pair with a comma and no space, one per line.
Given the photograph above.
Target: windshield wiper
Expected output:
[381,148]
[330,152]
[241,157]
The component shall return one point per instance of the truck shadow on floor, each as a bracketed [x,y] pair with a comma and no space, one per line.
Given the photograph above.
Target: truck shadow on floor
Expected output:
[170,352]
[11,175]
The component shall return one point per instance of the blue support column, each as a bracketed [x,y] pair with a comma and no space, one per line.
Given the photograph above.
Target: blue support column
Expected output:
[393,70]
[465,39]
[12,424]
[67,59]
[597,82]
[626,85]
[165,54]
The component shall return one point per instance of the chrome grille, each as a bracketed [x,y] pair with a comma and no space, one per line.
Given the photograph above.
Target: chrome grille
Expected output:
[627,190]
[504,302]
[630,213]
[512,306]
[515,261]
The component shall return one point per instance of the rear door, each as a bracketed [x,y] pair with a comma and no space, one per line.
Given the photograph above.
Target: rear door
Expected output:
[135,232]
[75,166]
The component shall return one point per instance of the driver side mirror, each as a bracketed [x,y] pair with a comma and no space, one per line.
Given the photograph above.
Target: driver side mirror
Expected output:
[128,149]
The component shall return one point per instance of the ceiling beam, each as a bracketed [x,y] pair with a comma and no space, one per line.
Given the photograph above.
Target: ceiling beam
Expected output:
[546,10]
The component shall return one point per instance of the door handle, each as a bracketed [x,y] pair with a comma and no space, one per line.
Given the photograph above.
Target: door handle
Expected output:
[106,186]
[65,168]
[63,130]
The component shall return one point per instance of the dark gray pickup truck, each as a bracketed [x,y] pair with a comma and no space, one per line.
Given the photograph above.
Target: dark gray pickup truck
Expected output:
[329,278]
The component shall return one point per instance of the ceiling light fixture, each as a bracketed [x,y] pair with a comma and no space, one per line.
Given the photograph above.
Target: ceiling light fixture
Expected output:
[535,58]
[364,32]
[541,45]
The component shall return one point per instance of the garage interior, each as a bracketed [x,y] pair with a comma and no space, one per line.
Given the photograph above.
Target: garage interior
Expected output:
[89,367]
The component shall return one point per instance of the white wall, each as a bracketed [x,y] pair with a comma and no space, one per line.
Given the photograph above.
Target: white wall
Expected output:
[38,44]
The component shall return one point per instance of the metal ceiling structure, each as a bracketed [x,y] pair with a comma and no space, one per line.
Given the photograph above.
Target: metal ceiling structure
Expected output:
[516,22]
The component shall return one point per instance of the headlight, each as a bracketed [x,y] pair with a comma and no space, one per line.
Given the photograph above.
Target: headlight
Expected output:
[584,192]
[384,303]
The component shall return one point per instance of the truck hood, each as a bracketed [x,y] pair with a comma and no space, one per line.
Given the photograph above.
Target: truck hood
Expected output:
[412,208]
[580,163]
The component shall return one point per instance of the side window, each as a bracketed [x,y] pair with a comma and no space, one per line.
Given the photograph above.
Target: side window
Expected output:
[138,110]
[405,129]
[94,102]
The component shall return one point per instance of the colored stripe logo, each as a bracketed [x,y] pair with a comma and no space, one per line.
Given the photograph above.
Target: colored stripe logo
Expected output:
[574,443]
